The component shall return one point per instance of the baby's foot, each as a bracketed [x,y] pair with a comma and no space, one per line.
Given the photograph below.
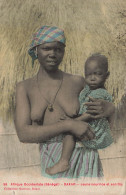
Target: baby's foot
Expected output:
[59,167]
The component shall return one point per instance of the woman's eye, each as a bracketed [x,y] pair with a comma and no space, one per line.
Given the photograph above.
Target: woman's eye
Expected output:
[58,49]
[46,49]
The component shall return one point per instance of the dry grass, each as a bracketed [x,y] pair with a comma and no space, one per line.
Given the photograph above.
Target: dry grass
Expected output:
[90,26]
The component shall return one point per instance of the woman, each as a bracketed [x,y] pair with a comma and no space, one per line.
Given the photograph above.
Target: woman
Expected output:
[42,100]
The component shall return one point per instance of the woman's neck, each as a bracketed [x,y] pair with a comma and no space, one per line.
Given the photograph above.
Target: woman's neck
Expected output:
[55,75]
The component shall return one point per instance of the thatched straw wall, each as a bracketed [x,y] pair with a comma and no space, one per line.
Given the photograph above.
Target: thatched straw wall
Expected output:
[90,26]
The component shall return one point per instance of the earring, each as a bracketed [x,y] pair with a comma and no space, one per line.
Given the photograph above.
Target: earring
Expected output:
[35,51]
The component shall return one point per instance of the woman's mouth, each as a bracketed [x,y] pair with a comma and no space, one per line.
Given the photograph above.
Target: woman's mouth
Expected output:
[52,63]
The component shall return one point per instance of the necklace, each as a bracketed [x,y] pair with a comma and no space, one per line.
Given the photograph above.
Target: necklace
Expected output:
[50,105]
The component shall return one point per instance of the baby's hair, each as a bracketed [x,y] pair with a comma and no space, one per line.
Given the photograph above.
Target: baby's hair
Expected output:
[101,59]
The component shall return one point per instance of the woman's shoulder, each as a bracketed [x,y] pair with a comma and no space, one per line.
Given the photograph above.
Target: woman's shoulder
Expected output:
[26,84]
[75,79]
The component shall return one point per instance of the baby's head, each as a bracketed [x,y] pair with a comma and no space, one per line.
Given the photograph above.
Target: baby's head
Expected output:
[96,71]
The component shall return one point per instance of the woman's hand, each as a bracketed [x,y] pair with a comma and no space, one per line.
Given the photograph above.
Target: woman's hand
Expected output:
[99,108]
[81,130]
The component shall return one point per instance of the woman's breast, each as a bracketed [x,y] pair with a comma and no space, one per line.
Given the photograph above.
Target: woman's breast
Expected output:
[40,113]
[62,106]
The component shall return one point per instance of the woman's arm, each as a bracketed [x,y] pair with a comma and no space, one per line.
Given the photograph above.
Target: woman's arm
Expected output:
[100,108]
[35,134]
[25,130]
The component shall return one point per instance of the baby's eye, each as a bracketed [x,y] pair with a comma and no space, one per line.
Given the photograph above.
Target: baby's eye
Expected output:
[98,73]
[87,74]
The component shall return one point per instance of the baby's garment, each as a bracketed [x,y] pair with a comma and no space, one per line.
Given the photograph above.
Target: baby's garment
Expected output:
[100,127]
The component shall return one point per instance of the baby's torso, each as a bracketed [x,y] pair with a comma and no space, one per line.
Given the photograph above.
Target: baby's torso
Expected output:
[99,93]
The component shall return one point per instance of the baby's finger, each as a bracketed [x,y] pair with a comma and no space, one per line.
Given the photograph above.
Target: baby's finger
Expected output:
[92,99]
[90,133]
[62,118]
[85,138]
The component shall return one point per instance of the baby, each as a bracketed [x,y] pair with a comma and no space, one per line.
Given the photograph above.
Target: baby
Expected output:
[96,73]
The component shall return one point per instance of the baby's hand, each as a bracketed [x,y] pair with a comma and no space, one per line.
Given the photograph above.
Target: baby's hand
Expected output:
[65,117]
[85,117]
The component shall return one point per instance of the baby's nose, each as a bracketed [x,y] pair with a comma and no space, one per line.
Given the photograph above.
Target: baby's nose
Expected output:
[92,77]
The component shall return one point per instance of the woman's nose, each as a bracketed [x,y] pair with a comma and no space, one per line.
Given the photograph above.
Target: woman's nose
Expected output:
[52,54]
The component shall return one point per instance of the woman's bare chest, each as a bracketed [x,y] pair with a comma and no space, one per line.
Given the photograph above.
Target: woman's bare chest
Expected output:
[66,102]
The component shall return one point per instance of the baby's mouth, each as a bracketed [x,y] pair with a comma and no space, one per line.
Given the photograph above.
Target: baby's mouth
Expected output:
[93,85]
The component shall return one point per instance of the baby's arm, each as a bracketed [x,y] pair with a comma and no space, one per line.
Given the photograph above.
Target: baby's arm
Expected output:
[84,117]
[81,117]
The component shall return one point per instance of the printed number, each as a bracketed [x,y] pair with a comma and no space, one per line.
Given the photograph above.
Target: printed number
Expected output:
[5,184]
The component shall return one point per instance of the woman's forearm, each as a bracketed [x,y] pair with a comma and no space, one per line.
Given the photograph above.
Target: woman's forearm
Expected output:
[37,134]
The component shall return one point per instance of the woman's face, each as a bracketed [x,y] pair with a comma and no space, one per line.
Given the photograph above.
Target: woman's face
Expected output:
[50,55]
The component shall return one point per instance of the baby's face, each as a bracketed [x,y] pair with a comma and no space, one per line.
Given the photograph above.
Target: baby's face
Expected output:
[95,74]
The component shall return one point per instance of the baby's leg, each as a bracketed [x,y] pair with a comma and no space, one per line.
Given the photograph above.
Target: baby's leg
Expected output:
[63,164]
[68,147]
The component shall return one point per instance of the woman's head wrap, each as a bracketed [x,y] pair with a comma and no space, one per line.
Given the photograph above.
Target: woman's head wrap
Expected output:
[45,34]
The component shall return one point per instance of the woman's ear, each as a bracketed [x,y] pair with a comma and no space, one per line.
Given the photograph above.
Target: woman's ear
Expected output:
[36,51]
[107,74]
